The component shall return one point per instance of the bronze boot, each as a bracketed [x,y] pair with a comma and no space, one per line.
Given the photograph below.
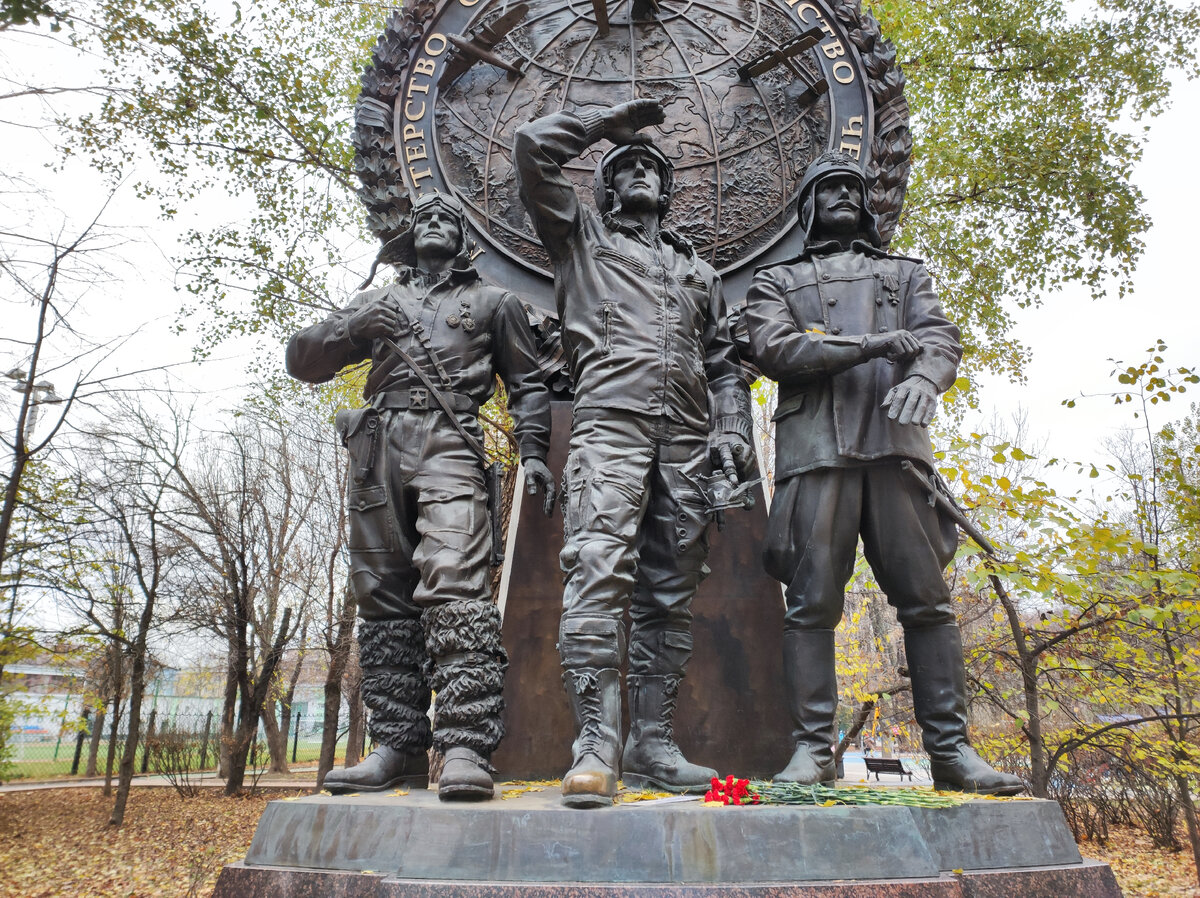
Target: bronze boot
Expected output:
[384,768]
[466,776]
[463,640]
[652,759]
[595,697]
[811,676]
[939,684]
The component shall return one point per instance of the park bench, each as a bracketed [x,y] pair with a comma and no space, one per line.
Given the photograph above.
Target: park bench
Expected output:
[886,765]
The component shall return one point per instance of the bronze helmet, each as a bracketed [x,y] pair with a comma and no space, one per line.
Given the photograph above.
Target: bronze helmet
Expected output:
[830,165]
[606,199]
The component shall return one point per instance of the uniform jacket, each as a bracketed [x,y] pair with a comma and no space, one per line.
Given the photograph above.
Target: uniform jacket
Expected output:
[644,323]
[476,330]
[807,319]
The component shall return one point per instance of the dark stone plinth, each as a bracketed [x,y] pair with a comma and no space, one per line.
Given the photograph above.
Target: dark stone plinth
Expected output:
[987,834]
[529,846]
[731,704]
[533,838]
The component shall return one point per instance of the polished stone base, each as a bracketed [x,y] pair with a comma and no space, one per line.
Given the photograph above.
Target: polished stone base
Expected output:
[413,846]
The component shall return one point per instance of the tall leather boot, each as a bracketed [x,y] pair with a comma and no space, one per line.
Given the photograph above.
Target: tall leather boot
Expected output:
[463,640]
[939,684]
[652,759]
[595,696]
[394,687]
[811,676]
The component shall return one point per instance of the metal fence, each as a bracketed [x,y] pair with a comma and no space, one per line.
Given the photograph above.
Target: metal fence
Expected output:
[43,748]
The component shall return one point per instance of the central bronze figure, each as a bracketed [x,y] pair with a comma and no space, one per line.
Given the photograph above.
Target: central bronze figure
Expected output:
[659,397]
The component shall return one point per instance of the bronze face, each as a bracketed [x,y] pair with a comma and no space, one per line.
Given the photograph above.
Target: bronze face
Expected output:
[636,182]
[436,234]
[838,203]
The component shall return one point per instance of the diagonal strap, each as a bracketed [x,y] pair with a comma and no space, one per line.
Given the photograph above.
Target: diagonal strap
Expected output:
[438,395]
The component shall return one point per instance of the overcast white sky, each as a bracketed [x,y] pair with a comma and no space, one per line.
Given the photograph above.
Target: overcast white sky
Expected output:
[1071,336]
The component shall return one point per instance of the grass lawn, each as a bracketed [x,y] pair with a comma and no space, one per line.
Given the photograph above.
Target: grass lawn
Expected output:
[56,842]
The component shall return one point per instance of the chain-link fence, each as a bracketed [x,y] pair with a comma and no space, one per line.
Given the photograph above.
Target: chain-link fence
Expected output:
[44,747]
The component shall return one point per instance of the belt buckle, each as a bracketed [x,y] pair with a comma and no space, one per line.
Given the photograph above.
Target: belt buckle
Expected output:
[418,398]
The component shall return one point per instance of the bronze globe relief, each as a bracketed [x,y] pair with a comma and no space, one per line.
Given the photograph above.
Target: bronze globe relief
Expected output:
[745,113]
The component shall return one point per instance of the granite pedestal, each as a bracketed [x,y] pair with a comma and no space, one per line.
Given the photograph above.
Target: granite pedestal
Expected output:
[406,846]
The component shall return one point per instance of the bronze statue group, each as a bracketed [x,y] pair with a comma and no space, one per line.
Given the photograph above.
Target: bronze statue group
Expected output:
[861,350]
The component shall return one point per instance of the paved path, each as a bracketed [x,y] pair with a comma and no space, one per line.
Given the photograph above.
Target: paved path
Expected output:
[856,771]
[301,778]
[306,778]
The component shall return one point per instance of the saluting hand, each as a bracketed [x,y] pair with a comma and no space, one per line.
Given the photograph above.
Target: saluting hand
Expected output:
[625,120]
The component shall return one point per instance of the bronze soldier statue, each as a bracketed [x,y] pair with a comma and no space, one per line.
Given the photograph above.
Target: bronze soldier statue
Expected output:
[861,349]
[419,526]
[659,395]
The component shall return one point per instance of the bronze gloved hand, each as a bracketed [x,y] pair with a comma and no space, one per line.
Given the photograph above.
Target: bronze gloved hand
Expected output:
[625,120]
[895,346]
[731,453]
[377,318]
[537,475]
[912,401]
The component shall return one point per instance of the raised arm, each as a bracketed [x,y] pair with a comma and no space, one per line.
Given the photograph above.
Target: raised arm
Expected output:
[545,145]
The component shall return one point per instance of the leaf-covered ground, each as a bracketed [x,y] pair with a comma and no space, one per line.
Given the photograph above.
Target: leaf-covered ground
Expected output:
[56,842]
[1143,870]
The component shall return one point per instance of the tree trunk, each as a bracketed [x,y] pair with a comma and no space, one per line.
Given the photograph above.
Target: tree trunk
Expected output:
[94,742]
[276,738]
[1039,772]
[251,705]
[228,709]
[137,689]
[329,726]
[112,747]
[339,657]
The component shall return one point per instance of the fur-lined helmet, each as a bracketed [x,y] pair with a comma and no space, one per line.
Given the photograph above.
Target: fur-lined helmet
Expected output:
[834,164]
[606,197]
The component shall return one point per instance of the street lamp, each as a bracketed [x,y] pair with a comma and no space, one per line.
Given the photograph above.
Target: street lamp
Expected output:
[41,393]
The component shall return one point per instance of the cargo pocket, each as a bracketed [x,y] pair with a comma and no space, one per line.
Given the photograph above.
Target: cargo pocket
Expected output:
[450,511]
[371,525]
[575,499]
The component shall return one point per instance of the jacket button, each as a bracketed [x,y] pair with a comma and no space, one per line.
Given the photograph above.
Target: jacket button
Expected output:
[883,330]
[683,516]
[825,276]
[835,330]
[878,300]
[833,301]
